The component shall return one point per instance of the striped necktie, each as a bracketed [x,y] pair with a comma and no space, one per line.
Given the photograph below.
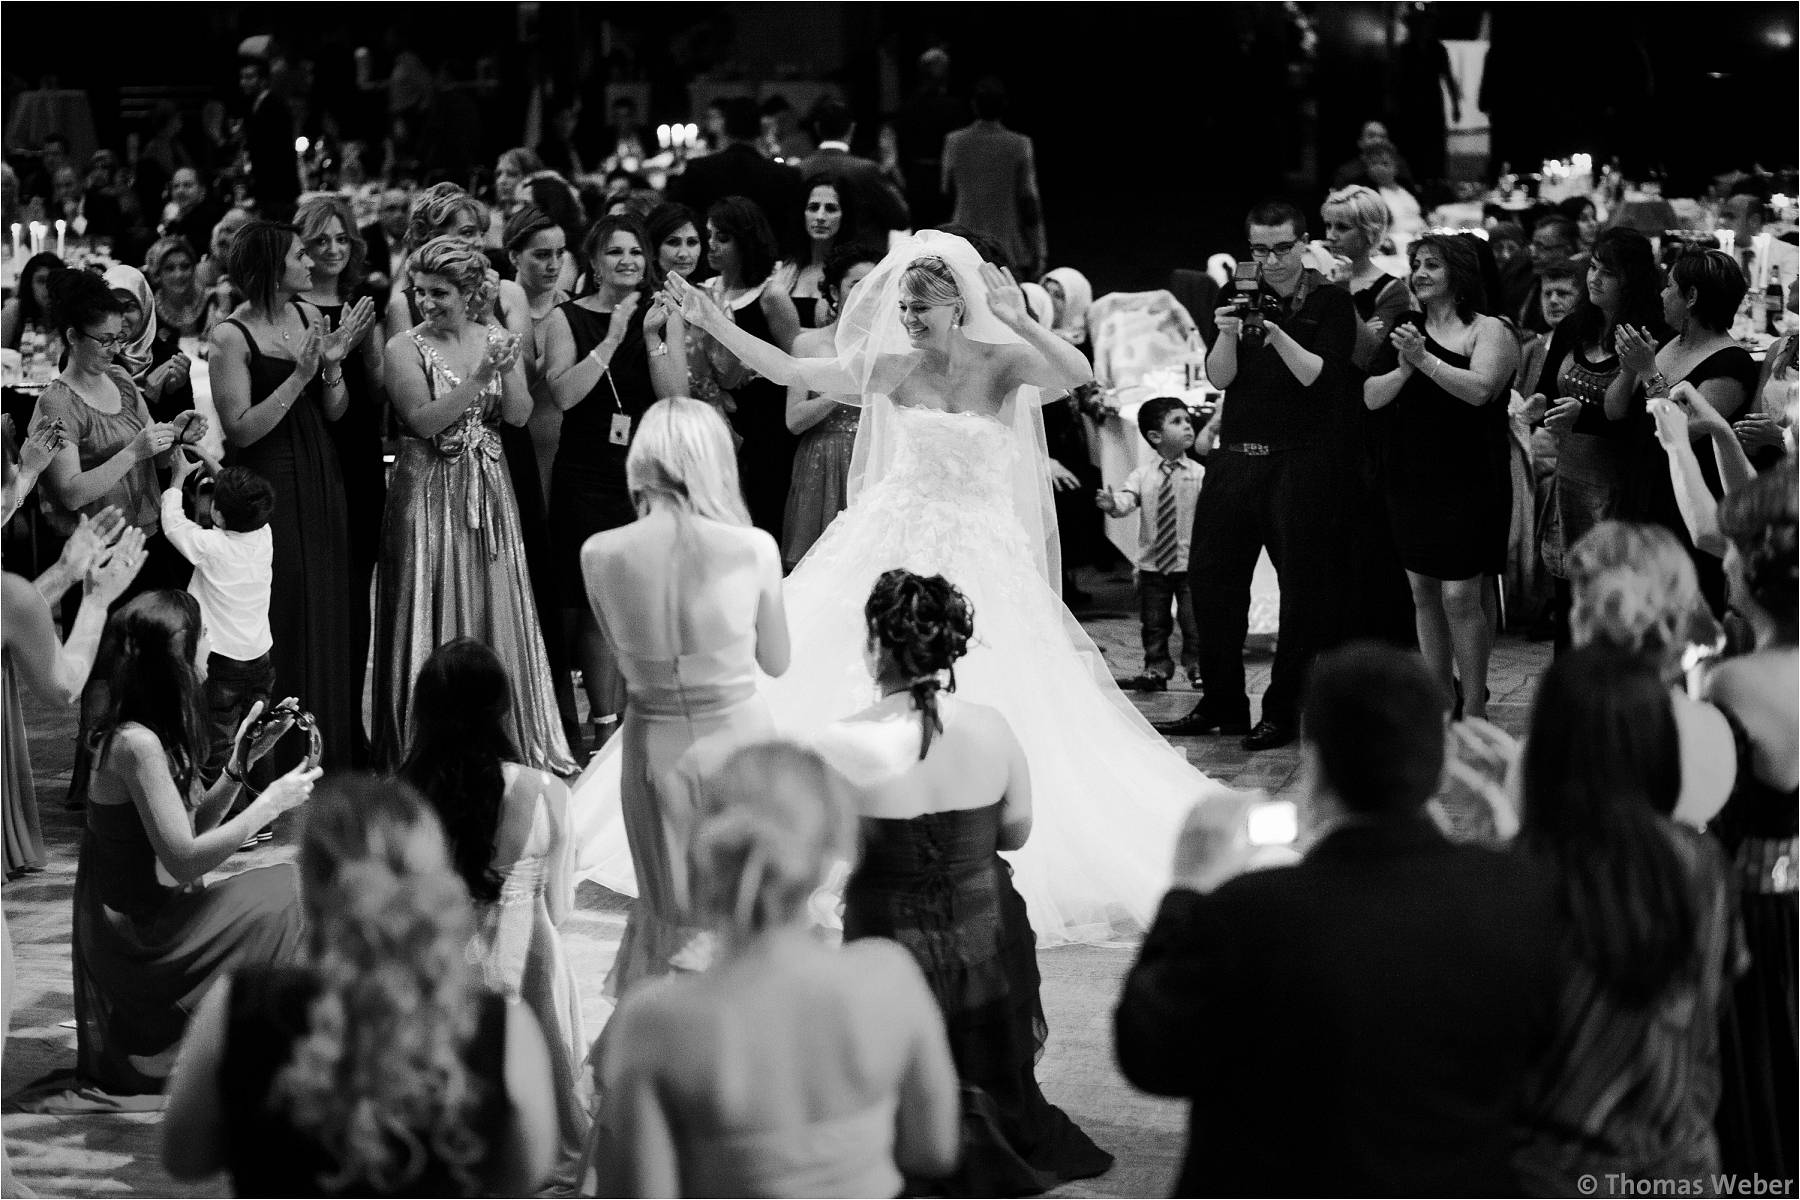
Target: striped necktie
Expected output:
[1168,536]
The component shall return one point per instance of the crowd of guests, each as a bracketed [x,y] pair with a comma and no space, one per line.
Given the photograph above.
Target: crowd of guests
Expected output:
[586,481]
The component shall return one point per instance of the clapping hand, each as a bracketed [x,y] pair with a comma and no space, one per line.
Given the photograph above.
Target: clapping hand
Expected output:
[621,316]
[1410,344]
[1756,430]
[1005,298]
[112,572]
[498,357]
[1635,349]
[350,331]
[41,447]
[311,354]
[656,317]
[92,537]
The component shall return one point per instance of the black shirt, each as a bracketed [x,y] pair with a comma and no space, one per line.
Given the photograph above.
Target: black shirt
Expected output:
[1264,402]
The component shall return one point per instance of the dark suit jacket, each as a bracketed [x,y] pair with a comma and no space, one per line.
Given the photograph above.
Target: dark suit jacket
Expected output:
[269,141]
[1357,1024]
[740,170]
[879,205]
[379,259]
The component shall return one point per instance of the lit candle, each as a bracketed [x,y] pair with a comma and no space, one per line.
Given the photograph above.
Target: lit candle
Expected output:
[1727,240]
[37,237]
[662,137]
[17,230]
[692,134]
[62,228]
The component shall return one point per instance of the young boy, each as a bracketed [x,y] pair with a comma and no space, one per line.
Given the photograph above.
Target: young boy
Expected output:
[1165,492]
[233,572]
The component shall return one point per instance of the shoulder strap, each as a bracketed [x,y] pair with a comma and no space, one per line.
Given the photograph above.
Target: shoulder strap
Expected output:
[255,350]
[301,309]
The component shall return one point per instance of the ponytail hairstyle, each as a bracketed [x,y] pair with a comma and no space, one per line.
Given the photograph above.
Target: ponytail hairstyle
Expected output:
[924,623]
[147,659]
[773,819]
[460,705]
[379,1080]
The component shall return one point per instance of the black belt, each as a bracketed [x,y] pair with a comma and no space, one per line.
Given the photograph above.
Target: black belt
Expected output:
[1259,449]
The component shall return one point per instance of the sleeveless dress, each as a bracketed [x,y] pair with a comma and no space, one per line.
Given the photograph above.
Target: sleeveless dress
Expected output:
[1109,793]
[266,1155]
[18,807]
[356,436]
[1759,1039]
[1449,491]
[936,884]
[524,962]
[145,953]
[820,489]
[310,597]
[766,453]
[587,482]
[453,565]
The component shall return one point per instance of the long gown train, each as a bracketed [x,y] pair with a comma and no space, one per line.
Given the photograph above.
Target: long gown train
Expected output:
[1109,793]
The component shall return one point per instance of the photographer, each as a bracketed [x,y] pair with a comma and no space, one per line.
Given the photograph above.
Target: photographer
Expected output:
[1282,355]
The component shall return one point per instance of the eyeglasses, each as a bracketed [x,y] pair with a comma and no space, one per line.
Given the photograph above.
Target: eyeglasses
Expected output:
[109,343]
[1278,250]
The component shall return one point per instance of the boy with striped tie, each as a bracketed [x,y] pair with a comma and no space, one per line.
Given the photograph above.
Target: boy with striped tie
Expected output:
[1165,492]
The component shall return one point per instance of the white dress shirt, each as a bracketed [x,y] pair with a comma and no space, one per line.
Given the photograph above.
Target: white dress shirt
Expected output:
[233,573]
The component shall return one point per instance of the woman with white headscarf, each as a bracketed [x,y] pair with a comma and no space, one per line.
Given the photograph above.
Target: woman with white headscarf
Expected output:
[1073,295]
[949,478]
[158,367]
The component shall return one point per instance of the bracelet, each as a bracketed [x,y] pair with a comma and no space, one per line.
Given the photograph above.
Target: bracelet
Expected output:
[594,357]
[660,350]
[240,780]
[330,382]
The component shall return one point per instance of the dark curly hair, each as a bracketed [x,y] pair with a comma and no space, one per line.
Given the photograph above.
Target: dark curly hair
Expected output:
[460,706]
[1759,519]
[1462,266]
[740,219]
[79,298]
[838,262]
[924,622]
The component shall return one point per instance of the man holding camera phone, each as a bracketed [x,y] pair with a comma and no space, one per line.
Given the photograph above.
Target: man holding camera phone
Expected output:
[1282,355]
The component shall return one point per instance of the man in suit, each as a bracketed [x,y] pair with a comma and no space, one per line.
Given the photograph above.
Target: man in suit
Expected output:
[1360,1022]
[991,178]
[879,206]
[739,169]
[269,143]
[384,242]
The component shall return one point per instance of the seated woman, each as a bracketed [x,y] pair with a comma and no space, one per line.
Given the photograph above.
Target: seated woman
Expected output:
[146,951]
[788,1068]
[29,307]
[1631,1078]
[943,788]
[508,829]
[377,1065]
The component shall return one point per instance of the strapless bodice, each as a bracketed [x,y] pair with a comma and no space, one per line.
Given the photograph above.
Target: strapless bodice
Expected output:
[960,457]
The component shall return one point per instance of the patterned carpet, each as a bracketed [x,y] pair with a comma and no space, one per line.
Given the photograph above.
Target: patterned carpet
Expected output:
[116,1154]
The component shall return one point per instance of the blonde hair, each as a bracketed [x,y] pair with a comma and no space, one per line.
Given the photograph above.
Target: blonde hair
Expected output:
[436,208]
[929,280]
[314,214]
[773,819]
[379,1079]
[1634,589]
[1366,209]
[683,452]
[464,266]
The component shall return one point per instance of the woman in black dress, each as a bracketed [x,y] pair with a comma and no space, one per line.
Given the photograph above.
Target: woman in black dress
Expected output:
[1759,1043]
[277,381]
[606,362]
[741,246]
[1699,299]
[146,950]
[1585,400]
[1446,479]
[376,1065]
[328,228]
[936,811]
[830,218]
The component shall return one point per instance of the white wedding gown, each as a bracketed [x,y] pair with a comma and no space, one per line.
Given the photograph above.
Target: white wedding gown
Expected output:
[1108,793]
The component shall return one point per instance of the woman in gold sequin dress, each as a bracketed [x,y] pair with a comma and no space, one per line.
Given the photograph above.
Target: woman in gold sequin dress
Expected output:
[452,563]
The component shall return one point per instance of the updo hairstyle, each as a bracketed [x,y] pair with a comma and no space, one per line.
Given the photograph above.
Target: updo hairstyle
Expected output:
[464,265]
[928,279]
[924,623]
[1634,589]
[1759,520]
[436,209]
[79,298]
[773,820]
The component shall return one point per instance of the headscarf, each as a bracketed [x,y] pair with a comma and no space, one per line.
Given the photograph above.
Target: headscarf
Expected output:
[134,355]
[1078,294]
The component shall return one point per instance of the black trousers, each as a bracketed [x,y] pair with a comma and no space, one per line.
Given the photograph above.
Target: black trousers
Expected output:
[1284,502]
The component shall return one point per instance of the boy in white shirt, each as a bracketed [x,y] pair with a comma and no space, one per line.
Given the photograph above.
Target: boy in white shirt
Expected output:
[1165,492]
[233,573]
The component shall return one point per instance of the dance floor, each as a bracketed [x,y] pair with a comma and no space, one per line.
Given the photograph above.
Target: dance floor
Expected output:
[115,1154]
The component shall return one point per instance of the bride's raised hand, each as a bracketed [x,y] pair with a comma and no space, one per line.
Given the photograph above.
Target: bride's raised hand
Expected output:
[695,306]
[1005,298]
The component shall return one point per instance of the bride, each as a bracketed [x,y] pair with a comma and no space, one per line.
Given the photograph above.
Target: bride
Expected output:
[948,478]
